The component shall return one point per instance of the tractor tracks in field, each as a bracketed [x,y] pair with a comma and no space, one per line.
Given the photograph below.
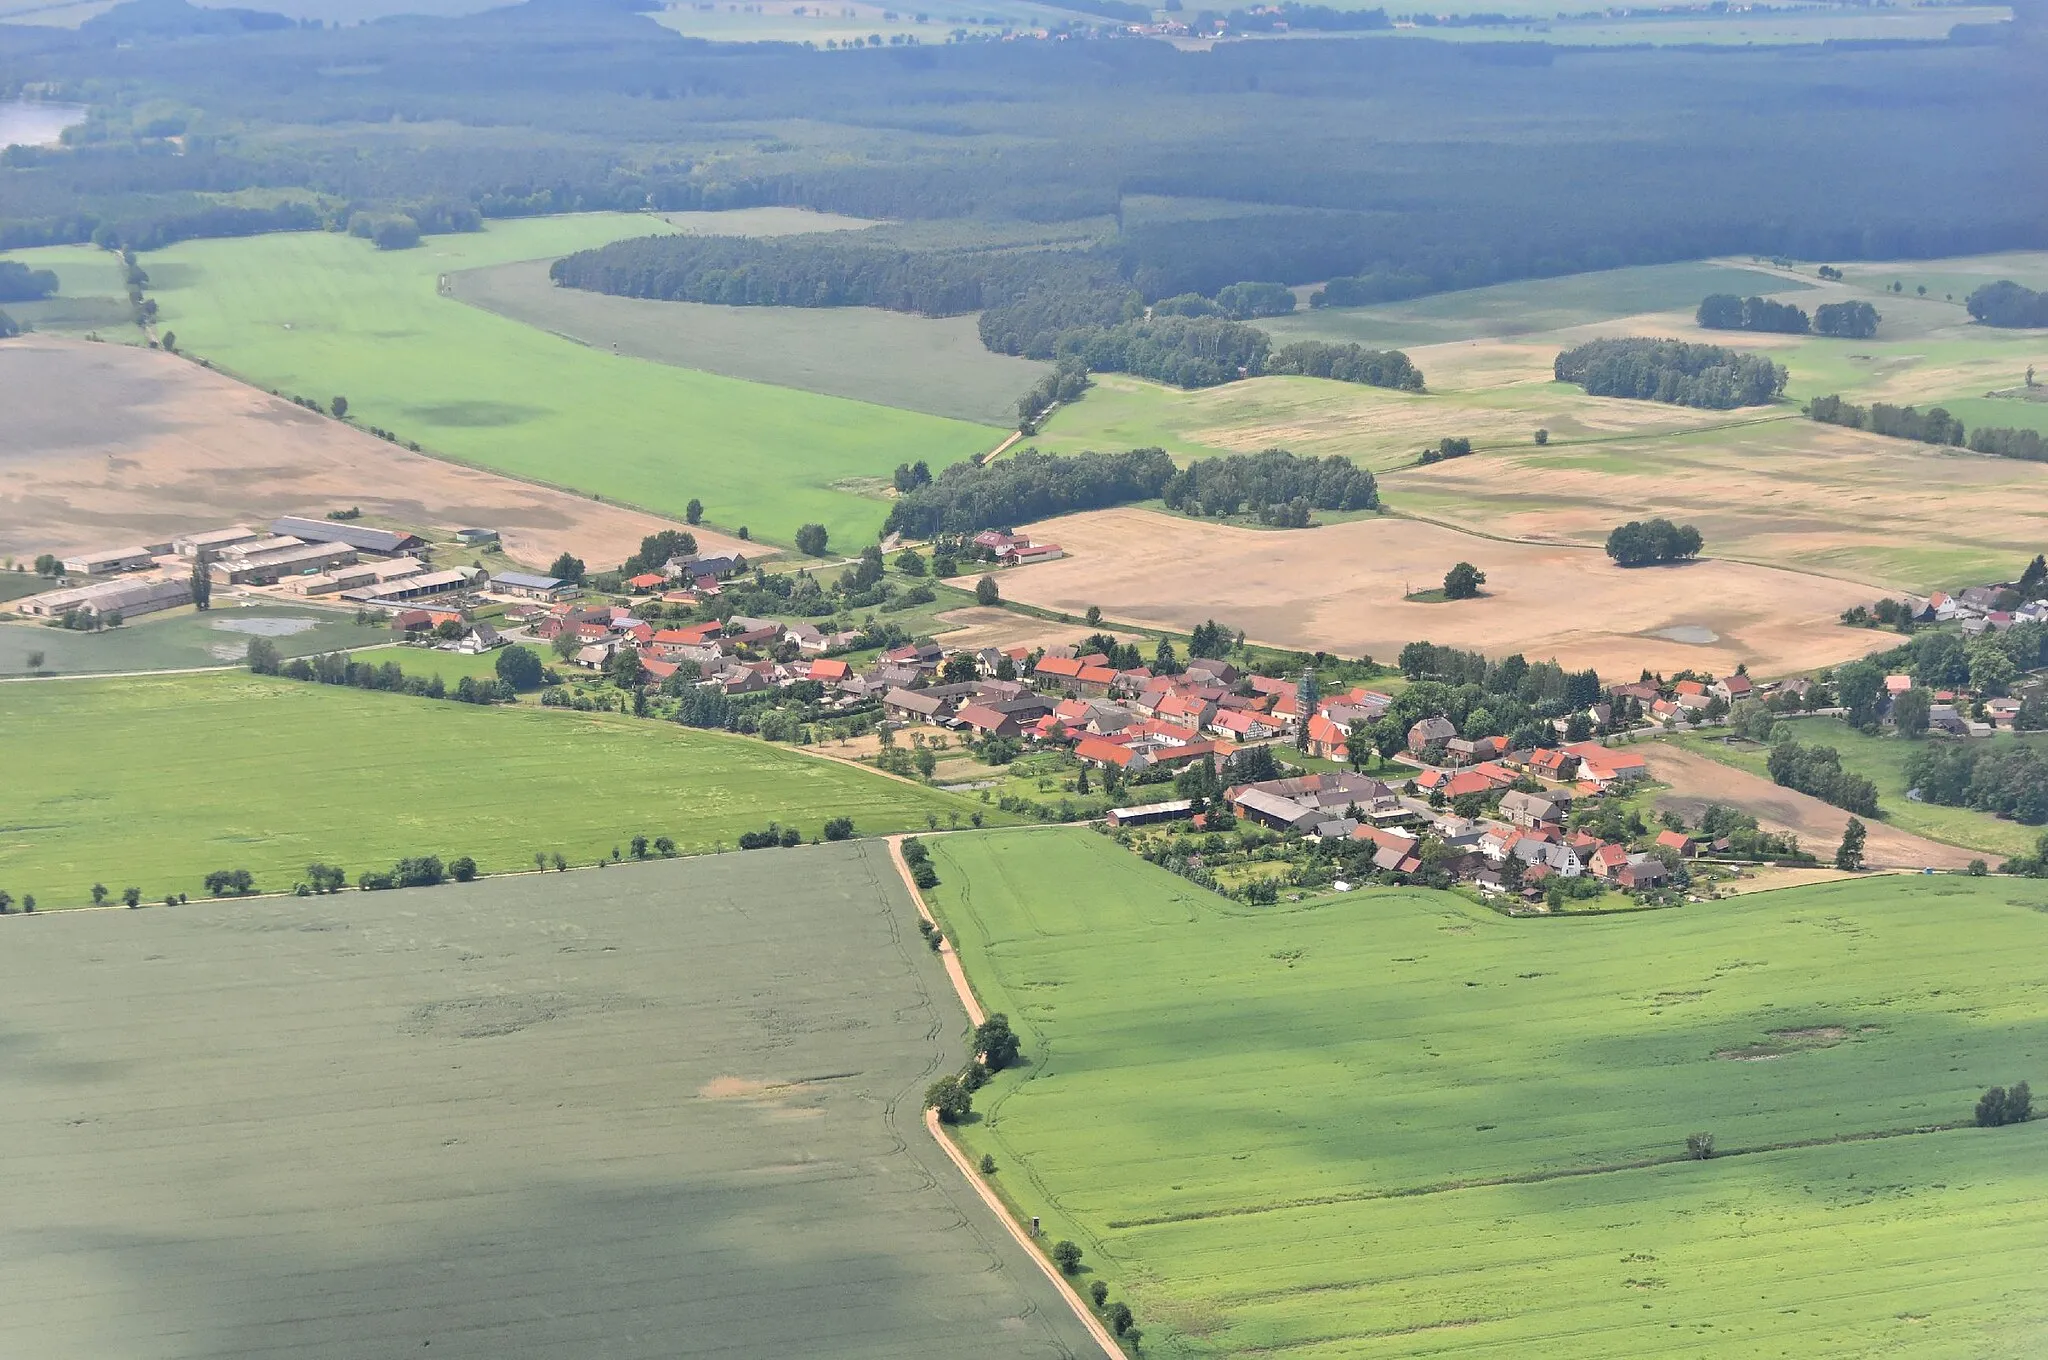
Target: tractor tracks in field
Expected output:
[1531,1177]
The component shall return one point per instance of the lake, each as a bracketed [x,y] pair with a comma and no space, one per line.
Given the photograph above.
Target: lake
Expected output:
[28,123]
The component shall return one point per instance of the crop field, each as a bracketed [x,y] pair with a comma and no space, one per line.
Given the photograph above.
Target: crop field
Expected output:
[178,639]
[934,365]
[1342,588]
[157,781]
[318,314]
[1763,484]
[1393,1123]
[667,1109]
[1882,760]
[108,444]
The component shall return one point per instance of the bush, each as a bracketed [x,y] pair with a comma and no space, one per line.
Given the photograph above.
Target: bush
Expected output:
[1699,1146]
[988,1164]
[421,871]
[462,869]
[230,883]
[1998,1107]
[839,829]
[950,1098]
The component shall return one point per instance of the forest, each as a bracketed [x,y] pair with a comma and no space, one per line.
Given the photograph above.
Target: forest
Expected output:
[2003,778]
[1026,486]
[1274,487]
[1727,312]
[1322,159]
[1711,376]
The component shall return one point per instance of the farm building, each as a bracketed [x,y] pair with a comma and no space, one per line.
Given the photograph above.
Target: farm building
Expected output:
[268,568]
[354,535]
[352,577]
[111,560]
[1147,813]
[204,547]
[128,598]
[526,585]
[410,587]
[1025,555]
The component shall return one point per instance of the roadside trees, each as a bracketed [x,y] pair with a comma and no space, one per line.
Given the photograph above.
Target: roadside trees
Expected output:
[996,1042]
[950,1098]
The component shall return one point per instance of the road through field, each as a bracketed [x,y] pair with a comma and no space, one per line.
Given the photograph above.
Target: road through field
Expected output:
[661,1110]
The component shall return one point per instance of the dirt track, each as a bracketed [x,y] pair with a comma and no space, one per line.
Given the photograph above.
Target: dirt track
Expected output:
[1696,780]
[107,444]
[1340,588]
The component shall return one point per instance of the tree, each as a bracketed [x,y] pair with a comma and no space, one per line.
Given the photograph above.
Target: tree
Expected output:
[950,1098]
[1067,1256]
[637,847]
[623,668]
[1098,1292]
[519,667]
[340,407]
[263,657]
[1093,618]
[811,539]
[230,883]
[1358,745]
[568,568]
[34,662]
[985,591]
[1699,1146]
[462,868]
[693,513]
[1542,436]
[1850,854]
[839,829]
[1119,1318]
[132,897]
[99,894]
[1462,582]
[910,562]
[1910,710]
[1641,544]
[995,1042]
[1998,1107]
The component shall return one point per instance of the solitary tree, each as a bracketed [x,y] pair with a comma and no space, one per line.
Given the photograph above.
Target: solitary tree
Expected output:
[1462,582]
[340,405]
[35,662]
[99,894]
[950,1098]
[132,896]
[811,539]
[1699,1146]
[1850,855]
[694,512]
[519,667]
[202,588]
[985,591]
[1067,1256]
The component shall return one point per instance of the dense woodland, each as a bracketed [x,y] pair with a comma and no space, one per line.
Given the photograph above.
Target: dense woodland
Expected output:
[2006,303]
[1712,376]
[1367,162]
[1727,312]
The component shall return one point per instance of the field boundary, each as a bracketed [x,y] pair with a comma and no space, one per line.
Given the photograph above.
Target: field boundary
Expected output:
[976,1013]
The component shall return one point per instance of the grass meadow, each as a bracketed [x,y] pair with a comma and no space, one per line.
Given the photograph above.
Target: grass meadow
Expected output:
[934,365]
[319,314]
[1393,1123]
[1882,760]
[179,639]
[156,781]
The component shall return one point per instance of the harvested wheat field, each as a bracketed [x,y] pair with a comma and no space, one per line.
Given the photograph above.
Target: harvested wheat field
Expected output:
[664,1110]
[1697,781]
[1340,589]
[106,444]
[977,626]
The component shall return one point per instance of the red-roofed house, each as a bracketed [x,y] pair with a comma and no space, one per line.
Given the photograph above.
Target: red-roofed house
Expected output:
[830,670]
[1327,740]
[1679,841]
[988,721]
[646,582]
[1103,751]
[1608,861]
[1240,725]
[1057,669]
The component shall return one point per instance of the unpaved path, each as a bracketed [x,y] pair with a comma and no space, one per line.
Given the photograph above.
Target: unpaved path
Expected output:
[1698,780]
[975,1013]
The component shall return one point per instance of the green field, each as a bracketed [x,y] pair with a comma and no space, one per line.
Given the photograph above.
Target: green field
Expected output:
[934,365]
[663,1110]
[1393,1123]
[181,639]
[157,781]
[319,314]
[1882,760]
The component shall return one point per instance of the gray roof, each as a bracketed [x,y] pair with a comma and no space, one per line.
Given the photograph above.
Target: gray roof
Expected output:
[526,580]
[355,535]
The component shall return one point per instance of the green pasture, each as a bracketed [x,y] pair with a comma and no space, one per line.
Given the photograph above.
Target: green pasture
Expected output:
[450,666]
[1394,1123]
[934,365]
[92,294]
[155,781]
[1528,306]
[319,314]
[1882,760]
[181,639]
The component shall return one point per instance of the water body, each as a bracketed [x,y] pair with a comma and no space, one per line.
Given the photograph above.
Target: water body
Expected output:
[1693,633]
[25,122]
[270,626]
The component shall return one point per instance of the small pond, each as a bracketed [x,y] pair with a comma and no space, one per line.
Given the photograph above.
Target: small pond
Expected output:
[289,625]
[1696,634]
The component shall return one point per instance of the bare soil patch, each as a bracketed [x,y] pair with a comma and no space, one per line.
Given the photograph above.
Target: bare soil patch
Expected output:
[1340,588]
[1696,781]
[108,444]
